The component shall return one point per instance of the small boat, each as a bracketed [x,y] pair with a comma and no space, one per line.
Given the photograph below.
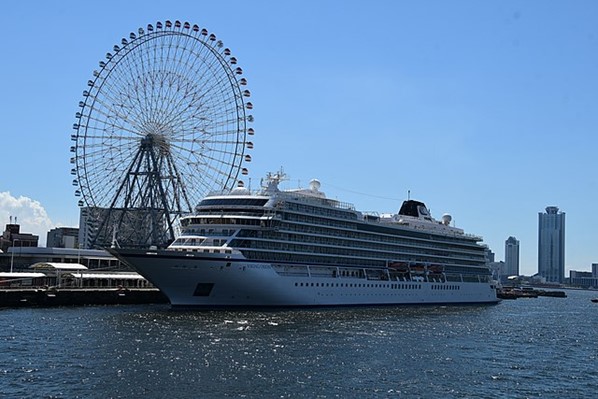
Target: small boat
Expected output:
[595,300]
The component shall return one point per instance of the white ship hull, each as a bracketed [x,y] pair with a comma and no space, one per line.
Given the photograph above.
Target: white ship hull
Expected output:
[216,280]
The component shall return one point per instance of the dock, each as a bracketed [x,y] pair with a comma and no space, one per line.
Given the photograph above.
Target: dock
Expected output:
[41,297]
[514,293]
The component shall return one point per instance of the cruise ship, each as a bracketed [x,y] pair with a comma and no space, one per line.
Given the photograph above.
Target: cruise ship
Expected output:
[282,248]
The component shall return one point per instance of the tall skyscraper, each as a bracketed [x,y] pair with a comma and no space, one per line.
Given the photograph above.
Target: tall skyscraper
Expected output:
[511,257]
[551,245]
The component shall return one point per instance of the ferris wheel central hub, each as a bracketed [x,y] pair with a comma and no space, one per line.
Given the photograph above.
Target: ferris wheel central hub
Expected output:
[157,141]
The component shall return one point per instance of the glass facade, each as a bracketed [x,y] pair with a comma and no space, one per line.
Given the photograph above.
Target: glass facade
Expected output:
[551,245]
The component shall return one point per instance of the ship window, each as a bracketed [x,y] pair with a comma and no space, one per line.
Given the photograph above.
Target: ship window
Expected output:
[234,201]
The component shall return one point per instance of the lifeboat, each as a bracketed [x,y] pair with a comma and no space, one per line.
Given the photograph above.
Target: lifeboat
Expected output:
[399,266]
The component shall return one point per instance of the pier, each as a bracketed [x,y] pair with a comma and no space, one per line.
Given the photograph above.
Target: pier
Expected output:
[49,297]
[514,293]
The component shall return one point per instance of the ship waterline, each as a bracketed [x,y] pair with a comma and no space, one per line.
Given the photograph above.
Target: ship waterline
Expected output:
[299,248]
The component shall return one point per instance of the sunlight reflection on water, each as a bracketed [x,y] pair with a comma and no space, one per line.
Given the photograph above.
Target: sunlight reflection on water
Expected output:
[524,348]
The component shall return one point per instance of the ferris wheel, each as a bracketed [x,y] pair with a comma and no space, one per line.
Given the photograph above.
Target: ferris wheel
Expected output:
[164,121]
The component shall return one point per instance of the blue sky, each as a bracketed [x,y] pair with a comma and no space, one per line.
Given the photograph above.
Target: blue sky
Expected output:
[483,109]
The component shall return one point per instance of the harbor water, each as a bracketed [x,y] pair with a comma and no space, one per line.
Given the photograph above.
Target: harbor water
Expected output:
[525,348]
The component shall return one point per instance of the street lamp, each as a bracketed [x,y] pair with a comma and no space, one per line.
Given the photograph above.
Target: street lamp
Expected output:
[12,253]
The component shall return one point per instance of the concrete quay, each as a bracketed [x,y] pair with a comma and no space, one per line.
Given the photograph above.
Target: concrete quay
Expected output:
[40,297]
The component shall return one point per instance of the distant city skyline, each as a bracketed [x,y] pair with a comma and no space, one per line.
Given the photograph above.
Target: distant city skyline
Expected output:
[484,110]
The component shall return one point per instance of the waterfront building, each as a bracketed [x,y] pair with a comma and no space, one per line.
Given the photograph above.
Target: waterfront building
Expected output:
[63,237]
[584,279]
[489,255]
[511,257]
[551,245]
[89,222]
[497,269]
[12,236]
[97,227]
[21,258]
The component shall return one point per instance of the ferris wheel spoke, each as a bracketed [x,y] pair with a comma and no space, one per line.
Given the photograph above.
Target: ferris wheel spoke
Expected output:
[132,75]
[214,90]
[192,165]
[125,106]
[201,105]
[217,111]
[206,158]
[148,78]
[202,122]
[112,115]
[102,137]
[103,126]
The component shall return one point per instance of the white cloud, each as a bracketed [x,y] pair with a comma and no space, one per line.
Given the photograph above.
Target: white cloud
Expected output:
[30,214]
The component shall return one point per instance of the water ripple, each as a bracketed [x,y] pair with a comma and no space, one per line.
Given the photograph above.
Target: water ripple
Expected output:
[542,347]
